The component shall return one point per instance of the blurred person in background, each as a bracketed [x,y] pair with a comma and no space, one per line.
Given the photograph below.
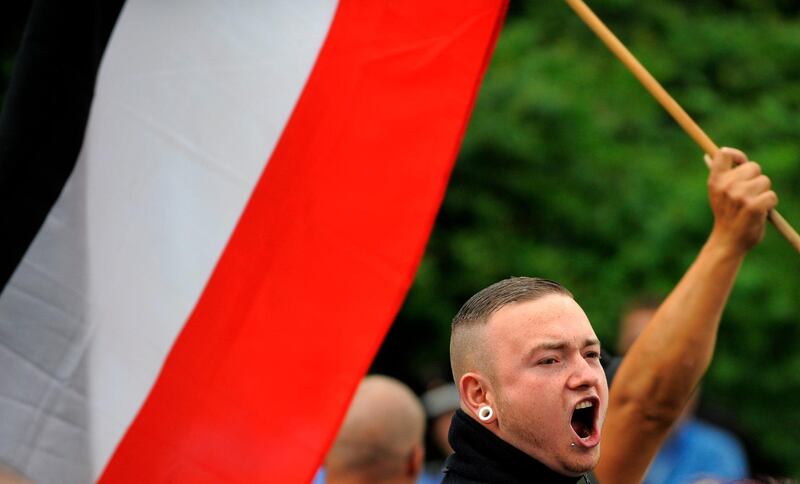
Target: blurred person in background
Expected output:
[440,403]
[381,438]
[695,451]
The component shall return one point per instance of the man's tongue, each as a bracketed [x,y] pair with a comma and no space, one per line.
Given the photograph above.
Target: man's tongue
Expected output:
[581,429]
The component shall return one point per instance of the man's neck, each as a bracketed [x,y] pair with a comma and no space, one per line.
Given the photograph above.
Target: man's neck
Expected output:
[482,456]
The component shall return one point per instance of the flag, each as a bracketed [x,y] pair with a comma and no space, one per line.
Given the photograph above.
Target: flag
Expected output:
[251,197]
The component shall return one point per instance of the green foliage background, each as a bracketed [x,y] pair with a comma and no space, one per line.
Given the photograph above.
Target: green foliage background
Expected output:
[570,171]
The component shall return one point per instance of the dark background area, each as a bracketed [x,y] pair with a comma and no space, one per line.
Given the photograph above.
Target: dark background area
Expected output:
[570,171]
[12,22]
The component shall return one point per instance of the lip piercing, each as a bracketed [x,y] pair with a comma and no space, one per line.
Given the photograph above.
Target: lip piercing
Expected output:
[572,444]
[485,413]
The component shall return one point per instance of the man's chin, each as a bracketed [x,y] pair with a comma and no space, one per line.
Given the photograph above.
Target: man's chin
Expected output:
[581,464]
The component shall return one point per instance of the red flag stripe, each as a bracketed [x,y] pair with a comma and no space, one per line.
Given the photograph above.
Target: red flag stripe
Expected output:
[320,261]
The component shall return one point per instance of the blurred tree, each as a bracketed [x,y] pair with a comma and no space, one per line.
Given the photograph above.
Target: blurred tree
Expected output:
[571,171]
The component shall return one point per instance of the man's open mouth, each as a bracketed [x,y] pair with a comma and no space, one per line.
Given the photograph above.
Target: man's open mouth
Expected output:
[583,418]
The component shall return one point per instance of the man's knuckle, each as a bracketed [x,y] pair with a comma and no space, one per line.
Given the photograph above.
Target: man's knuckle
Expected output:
[726,185]
[736,192]
[752,205]
[717,185]
[773,197]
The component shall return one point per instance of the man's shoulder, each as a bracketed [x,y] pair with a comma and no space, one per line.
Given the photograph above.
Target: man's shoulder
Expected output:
[453,478]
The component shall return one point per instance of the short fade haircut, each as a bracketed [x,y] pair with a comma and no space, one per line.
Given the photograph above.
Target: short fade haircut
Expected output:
[480,307]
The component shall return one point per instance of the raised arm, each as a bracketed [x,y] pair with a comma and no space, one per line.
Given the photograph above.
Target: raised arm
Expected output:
[669,358]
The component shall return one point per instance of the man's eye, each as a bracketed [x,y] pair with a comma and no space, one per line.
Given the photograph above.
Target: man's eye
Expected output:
[548,361]
[593,354]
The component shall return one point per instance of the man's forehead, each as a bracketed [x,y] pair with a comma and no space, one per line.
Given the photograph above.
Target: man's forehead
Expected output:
[550,318]
[546,309]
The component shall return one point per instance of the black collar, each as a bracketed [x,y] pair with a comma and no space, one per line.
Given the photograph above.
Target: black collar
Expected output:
[481,456]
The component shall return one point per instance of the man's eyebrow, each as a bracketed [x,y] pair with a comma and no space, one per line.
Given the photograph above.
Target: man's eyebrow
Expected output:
[550,345]
[561,345]
[591,342]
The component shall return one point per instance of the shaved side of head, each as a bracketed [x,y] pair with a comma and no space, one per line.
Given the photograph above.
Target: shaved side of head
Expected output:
[467,352]
[383,428]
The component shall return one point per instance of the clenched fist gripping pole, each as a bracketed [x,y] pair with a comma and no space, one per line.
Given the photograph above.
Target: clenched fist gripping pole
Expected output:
[663,97]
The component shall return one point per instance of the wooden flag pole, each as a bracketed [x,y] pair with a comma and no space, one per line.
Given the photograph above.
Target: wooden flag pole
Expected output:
[662,96]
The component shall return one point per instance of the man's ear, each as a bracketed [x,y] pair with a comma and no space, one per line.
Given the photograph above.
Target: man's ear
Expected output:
[476,393]
[415,461]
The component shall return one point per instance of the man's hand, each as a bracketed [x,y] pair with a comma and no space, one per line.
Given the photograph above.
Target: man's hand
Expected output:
[666,362]
[741,197]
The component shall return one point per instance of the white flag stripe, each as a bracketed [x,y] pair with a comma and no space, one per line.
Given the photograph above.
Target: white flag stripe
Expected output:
[191,98]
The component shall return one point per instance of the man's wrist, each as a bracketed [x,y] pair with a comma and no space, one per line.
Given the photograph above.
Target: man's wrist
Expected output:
[725,248]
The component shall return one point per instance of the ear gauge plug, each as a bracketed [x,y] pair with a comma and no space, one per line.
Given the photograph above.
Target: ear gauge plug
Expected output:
[485,413]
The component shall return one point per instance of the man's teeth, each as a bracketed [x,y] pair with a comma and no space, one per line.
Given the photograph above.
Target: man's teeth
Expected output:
[581,405]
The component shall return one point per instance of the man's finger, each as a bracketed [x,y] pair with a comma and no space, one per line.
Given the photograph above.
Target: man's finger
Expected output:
[746,171]
[766,201]
[727,158]
[757,185]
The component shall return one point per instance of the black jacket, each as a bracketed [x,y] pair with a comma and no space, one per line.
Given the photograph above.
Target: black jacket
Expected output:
[482,457]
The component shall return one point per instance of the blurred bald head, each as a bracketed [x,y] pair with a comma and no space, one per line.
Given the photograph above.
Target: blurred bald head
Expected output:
[381,439]
[634,319]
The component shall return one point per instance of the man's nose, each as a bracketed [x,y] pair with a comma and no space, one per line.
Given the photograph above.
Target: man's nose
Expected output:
[583,375]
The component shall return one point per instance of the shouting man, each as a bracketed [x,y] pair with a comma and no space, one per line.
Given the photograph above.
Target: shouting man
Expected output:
[527,362]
